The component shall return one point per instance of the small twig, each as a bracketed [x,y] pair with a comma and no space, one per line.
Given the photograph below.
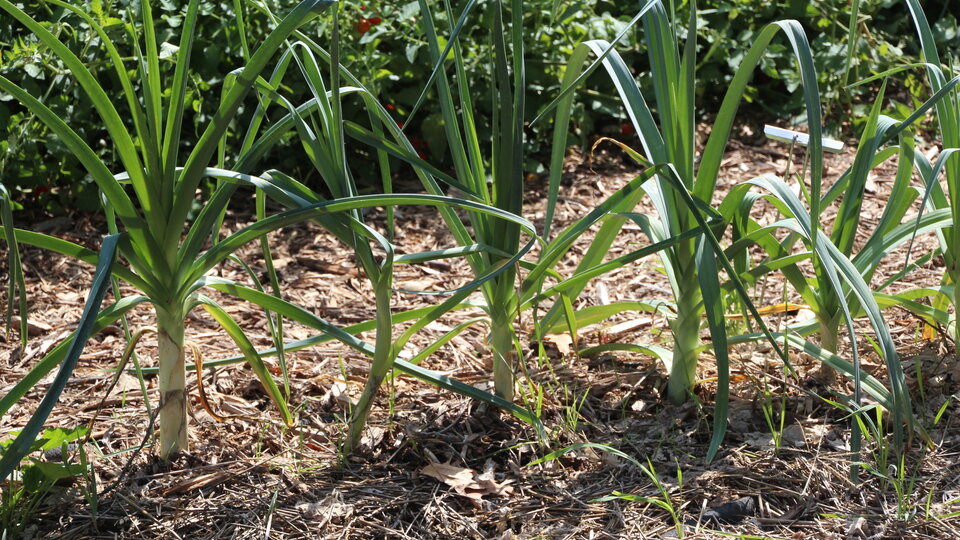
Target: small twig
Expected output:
[936,327]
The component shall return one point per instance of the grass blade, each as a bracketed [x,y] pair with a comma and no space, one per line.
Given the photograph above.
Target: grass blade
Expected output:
[16,284]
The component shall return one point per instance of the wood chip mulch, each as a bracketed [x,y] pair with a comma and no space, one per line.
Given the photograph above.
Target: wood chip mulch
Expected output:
[436,465]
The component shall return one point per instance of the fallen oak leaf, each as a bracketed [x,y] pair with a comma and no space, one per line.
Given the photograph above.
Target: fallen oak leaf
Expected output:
[466,481]
[453,476]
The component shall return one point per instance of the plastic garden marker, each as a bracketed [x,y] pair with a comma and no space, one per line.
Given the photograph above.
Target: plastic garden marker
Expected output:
[802,139]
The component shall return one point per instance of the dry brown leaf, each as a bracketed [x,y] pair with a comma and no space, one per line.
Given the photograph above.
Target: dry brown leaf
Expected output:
[235,406]
[339,394]
[465,481]
[453,476]
[126,383]
[561,341]
[372,436]
[34,327]
[331,508]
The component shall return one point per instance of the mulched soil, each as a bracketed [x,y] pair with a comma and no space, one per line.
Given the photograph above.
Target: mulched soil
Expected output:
[437,465]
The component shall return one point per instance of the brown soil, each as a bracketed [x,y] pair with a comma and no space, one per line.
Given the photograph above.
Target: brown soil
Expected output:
[437,465]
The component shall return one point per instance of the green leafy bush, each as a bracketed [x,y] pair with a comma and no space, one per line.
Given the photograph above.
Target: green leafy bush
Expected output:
[883,40]
[36,476]
[385,45]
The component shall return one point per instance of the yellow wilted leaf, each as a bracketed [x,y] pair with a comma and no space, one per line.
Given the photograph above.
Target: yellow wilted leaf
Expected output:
[785,307]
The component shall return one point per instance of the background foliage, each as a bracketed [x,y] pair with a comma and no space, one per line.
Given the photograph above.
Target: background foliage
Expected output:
[384,46]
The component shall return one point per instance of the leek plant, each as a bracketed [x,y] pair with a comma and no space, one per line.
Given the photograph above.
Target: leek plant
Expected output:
[889,232]
[152,200]
[833,302]
[672,140]
[170,268]
[838,290]
[836,302]
[495,177]
[505,174]
[322,133]
[943,81]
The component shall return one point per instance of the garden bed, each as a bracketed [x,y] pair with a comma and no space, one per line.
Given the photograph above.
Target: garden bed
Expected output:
[437,465]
